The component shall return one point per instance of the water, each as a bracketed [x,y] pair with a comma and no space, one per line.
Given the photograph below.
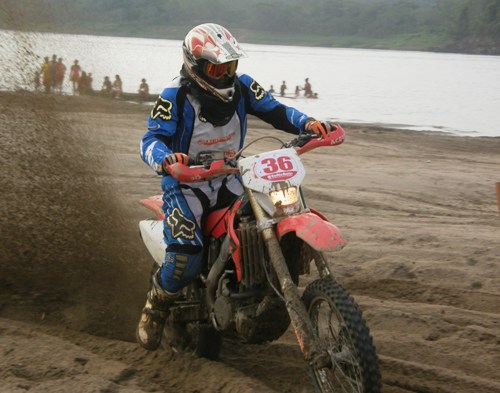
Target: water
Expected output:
[452,93]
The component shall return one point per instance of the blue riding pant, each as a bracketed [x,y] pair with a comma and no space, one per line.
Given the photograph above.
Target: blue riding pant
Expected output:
[185,206]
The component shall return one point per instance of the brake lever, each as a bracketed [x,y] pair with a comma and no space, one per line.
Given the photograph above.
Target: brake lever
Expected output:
[301,140]
[231,161]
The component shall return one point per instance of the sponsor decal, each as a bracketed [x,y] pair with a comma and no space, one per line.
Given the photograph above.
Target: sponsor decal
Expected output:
[162,109]
[257,90]
[279,176]
[338,140]
[180,225]
[209,142]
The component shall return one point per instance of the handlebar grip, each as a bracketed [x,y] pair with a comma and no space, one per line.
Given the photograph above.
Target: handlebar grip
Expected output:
[334,138]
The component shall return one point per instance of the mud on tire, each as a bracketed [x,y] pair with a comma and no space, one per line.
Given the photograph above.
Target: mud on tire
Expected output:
[344,331]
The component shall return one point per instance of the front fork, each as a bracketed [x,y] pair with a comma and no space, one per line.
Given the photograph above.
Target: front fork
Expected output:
[299,317]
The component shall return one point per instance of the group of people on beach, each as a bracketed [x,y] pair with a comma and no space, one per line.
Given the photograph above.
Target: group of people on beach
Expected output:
[112,89]
[51,74]
[115,89]
[308,93]
[50,77]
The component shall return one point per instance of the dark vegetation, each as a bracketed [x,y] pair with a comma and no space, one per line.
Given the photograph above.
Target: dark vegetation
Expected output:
[469,26]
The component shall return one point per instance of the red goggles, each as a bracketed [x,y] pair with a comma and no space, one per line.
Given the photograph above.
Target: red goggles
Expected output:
[218,71]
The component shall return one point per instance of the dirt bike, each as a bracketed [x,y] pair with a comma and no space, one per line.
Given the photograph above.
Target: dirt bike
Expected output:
[255,250]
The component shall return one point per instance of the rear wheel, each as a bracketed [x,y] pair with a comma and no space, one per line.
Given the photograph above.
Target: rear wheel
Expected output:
[342,331]
[199,336]
[206,341]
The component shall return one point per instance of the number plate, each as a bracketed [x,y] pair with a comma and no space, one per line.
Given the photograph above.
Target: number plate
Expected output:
[261,171]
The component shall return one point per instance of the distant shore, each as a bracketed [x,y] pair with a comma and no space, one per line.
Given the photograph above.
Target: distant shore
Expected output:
[133,98]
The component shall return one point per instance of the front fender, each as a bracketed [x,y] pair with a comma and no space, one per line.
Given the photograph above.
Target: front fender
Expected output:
[315,231]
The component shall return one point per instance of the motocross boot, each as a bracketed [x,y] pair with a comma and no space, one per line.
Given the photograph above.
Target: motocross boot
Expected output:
[154,314]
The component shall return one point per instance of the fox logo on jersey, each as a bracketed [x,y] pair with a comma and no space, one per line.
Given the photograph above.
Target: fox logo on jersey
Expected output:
[162,109]
[257,90]
[180,225]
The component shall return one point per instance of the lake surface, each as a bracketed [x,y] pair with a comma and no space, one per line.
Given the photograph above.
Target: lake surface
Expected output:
[414,90]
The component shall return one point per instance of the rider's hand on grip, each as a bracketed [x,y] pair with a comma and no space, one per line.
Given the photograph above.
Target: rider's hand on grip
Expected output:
[320,128]
[175,157]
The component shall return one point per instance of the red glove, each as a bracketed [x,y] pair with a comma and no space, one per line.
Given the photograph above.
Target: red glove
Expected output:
[320,128]
[175,157]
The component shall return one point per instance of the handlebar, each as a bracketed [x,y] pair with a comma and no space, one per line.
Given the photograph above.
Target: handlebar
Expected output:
[303,143]
[190,174]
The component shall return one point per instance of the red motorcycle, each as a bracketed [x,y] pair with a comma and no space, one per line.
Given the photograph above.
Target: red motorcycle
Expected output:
[256,249]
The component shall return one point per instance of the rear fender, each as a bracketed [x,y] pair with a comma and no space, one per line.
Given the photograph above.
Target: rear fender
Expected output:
[154,203]
[320,234]
[152,236]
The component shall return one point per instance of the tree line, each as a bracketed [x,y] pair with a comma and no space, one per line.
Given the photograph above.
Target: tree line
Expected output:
[423,24]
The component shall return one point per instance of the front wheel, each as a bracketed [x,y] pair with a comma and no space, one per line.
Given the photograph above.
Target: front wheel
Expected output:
[342,331]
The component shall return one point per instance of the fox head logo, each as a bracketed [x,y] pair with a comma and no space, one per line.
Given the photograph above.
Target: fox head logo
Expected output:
[180,225]
[257,90]
[162,109]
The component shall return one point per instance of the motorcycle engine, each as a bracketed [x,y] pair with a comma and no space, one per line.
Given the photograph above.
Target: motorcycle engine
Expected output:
[248,306]
[264,321]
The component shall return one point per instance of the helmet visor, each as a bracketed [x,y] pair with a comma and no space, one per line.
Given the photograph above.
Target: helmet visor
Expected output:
[219,71]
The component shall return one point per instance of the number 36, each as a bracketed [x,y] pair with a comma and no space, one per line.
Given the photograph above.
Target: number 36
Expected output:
[272,165]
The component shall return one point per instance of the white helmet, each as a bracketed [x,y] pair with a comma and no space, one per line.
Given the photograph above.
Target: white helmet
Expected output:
[211,55]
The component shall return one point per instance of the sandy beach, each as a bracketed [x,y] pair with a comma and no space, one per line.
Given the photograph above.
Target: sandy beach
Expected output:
[419,211]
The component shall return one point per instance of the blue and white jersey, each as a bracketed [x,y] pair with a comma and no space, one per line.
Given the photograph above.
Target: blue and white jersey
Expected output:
[176,124]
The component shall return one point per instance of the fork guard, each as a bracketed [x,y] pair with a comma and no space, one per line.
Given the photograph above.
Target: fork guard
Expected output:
[320,234]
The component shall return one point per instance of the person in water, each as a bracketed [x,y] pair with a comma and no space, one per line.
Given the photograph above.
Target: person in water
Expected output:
[307,88]
[282,89]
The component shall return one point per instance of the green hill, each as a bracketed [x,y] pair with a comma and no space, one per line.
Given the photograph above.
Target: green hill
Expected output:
[468,26]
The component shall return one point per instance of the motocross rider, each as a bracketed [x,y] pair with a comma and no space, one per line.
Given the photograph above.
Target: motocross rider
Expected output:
[204,108]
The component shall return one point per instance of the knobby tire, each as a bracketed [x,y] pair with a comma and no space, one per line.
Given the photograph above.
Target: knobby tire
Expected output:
[362,365]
